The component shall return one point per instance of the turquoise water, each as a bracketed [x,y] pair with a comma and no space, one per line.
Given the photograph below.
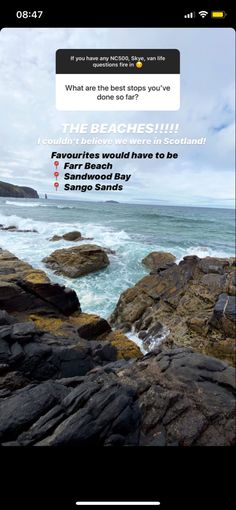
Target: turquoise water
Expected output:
[132,231]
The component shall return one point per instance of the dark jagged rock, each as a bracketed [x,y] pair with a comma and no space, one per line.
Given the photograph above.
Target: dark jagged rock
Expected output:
[22,332]
[40,356]
[193,302]
[13,228]
[213,265]
[11,190]
[60,297]
[170,397]
[5,318]
[224,313]
[5,332]
[26,406]
[90,329]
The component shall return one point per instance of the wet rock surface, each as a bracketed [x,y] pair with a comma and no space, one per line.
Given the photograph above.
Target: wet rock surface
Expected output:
[170,397]
[192,304]
[158,260]
[77,261]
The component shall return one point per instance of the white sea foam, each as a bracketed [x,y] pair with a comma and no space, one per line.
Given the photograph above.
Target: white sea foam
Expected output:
[106,235]
[153,342]
[205,251]
[201,252]
[42,227]
[24,204]
[64,206]
[103,235]
[134,337]
[39,204]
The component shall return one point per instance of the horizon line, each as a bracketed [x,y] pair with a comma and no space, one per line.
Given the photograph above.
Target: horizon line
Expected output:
[161,204]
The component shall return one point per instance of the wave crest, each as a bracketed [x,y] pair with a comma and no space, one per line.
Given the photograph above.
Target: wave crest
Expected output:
[32,204]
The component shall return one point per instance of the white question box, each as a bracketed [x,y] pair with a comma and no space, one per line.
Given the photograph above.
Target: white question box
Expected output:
[106,80]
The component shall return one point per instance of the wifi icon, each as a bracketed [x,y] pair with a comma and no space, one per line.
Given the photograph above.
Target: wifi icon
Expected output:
[203,14]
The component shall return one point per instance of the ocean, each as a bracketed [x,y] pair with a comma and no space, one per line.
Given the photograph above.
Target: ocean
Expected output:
[132,231]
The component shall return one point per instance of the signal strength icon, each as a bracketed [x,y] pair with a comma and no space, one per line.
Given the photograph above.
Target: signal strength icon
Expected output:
[203,14]
[190,15]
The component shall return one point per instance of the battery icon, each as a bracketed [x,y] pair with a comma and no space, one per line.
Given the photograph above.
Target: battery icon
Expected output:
[218,14]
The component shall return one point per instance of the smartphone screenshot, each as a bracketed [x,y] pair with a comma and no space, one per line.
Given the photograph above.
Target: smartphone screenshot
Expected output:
[117,257]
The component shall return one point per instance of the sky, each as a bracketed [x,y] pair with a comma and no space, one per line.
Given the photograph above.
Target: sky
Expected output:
[203,175]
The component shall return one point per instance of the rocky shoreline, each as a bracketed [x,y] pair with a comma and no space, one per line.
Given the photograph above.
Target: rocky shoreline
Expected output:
[68,379]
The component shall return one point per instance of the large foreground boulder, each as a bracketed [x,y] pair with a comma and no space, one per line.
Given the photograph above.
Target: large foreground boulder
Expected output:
[25,290]
[78,260]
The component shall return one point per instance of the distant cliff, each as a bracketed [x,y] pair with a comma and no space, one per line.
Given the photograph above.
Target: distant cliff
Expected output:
[10,190]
